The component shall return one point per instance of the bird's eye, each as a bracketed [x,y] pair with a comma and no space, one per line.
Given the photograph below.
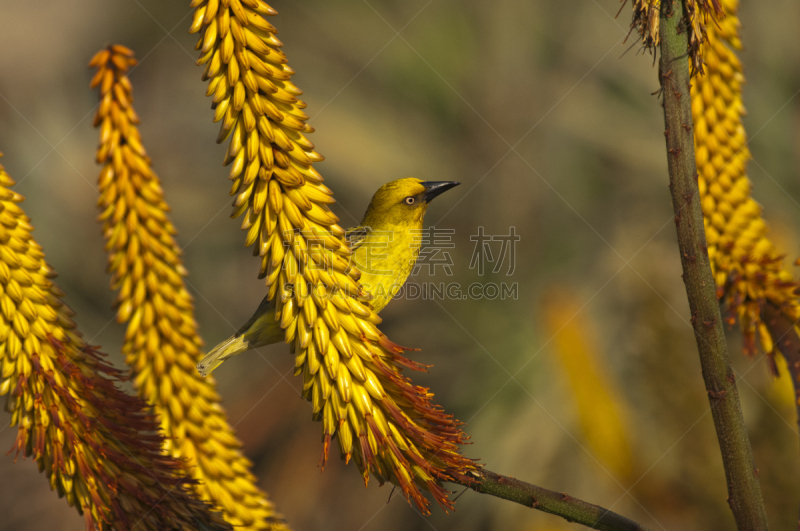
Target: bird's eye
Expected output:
[410,200]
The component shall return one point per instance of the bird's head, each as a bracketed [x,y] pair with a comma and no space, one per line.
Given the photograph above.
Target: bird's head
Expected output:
[403,203]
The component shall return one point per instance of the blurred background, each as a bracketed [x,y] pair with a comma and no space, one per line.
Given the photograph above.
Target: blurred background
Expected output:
[587,382]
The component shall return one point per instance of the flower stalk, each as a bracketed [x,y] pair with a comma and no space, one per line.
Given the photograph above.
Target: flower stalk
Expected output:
[751,277]
[745,497]
[557,503]
[162,345]
[99,446]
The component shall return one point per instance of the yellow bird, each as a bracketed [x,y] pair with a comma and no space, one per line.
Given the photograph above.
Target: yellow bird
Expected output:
[385,247]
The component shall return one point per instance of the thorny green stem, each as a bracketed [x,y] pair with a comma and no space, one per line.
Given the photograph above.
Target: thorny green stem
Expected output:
[744,492]
[557,503]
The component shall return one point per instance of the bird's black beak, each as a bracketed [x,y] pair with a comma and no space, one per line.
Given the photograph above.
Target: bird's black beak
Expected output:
[434,188]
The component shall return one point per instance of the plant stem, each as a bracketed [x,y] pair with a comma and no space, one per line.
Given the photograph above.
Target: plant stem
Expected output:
[744,492]
[557,503]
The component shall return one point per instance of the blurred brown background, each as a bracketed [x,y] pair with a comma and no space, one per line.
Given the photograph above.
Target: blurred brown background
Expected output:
[587,383]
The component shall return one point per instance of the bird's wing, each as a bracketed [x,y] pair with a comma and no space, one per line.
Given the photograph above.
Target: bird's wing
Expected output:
[356,236]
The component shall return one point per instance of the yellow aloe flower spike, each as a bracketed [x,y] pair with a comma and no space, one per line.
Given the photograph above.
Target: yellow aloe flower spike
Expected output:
[98,445]
[747,268]
[351,371]
[162,345]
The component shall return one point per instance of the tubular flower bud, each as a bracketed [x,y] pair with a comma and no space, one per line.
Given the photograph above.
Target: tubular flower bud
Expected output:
[99,446]
[747,267]
[351,371]
[699,14]
[162,345]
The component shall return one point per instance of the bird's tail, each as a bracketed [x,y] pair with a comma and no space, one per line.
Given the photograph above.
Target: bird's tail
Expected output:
[230,347]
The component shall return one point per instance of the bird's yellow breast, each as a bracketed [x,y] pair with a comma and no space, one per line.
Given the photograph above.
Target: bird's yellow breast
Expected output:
[385,259]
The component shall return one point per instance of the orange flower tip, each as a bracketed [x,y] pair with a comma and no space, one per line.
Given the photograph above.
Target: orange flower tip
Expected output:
[116,58]
[326,445]
[391,346]
[413,365]
[120,49]
[99,58]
